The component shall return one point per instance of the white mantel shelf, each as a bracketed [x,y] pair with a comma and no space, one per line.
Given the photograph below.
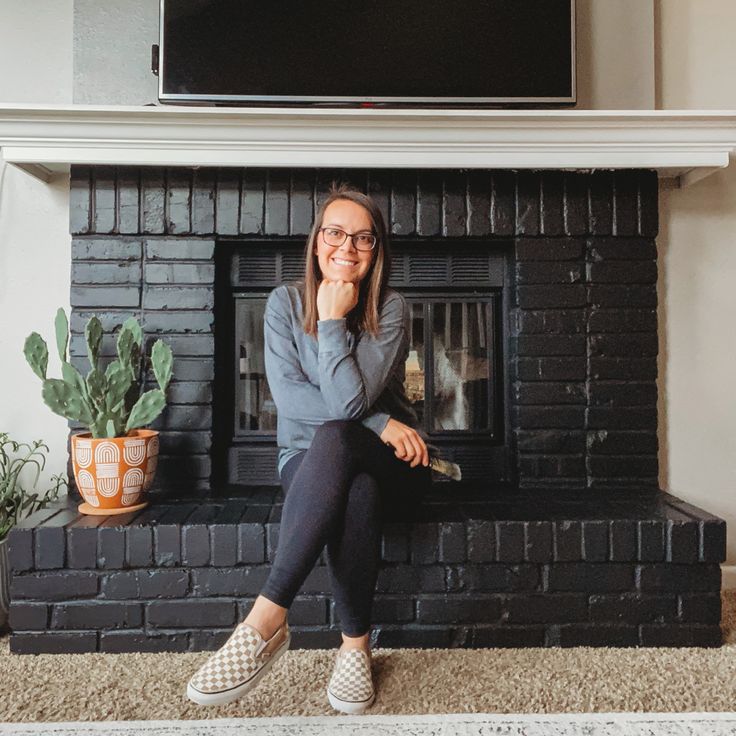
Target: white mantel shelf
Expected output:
[682,145]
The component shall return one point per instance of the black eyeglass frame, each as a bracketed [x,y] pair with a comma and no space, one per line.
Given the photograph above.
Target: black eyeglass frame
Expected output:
[352,236]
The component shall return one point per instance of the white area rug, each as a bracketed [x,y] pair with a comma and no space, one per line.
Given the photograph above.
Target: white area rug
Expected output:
[455,724]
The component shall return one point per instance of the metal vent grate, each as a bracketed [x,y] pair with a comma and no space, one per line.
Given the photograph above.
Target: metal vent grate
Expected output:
[428,270]
[269,266]
[258,267]
[469,269]
[254,465]
[424,266]
[292,265]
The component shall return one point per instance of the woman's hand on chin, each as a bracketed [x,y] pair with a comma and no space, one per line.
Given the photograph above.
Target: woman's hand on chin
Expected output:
[336,298]
[407,443]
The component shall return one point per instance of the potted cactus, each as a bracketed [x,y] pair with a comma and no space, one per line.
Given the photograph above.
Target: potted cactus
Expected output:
[115,461]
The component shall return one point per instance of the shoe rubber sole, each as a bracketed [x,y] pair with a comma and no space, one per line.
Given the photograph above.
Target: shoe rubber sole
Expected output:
[234,693]
[349,706]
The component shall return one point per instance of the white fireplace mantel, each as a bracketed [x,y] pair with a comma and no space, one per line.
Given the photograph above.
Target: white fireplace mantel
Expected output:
[682,145]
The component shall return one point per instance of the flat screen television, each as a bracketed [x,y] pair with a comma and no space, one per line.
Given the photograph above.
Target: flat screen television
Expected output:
[380,53]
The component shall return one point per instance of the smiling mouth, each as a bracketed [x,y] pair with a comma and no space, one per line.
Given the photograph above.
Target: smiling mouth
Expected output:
[340,262]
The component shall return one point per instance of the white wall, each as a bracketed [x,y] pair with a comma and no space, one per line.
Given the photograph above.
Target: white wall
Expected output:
[112,52]
[35,247]
[696,64]
[615,54]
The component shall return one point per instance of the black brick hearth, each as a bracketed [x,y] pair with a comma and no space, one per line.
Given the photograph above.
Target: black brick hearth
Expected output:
[524,569]
[577,546]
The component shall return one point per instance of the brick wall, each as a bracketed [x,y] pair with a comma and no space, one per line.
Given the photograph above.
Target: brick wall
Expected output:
[624,568]
[582,351]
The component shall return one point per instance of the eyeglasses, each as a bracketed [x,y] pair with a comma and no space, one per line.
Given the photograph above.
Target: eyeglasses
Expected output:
[335,237]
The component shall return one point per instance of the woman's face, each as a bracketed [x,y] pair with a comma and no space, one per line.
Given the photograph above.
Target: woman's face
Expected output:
[345,262]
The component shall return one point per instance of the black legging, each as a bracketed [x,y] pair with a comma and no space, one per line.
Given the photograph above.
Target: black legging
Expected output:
[337,493]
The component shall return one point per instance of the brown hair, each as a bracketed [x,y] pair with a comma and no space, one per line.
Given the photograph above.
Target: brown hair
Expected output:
[365,315]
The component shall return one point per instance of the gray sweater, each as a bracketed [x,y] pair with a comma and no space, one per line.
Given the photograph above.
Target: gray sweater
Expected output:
[335,376]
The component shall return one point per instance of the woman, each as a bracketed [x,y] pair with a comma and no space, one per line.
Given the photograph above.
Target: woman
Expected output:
[335,349]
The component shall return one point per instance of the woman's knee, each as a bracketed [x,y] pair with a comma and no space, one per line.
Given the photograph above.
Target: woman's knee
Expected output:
[340,435]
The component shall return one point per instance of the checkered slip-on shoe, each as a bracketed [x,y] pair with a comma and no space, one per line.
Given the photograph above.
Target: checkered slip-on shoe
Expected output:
[237,666]
[350,689]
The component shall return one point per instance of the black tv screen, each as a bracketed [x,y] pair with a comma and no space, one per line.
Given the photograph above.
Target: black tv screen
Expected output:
[381,52]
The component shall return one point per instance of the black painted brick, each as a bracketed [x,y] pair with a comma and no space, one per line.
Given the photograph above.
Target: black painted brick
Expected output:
[20,549]
[53,586]
[391,610]
[315,639]
[682,635]
[227,201]
[651,541]
[142,641]
[110,548]
[499,577]
[81,543]
[167,544]
[699,607]
[139,551]
[407,579]
[481,541]
[395,542]
[595,541]
[632,608]
[96,615]
[668,577]
[527,203]
[121,585]
[224,545]
[80,642]
[190,613]
[507,636]
[308,611]
[592,635]
[251,543]
[591,577]
[601,202]
[623,540]
[552,608]
[424,543]
[195,545]
[480,192]
[454,610]
[235,581]
[713,541]
[681,541]
[423,637]
[510,543]
[568,541]
[452,542]
[49,548]
[538,541]
[503,203]
[28,616]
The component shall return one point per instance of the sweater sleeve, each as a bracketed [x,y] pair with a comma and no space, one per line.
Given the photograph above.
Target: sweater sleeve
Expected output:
[295,396]
[351,382]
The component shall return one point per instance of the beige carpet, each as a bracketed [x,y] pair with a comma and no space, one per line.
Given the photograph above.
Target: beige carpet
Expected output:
[83,687]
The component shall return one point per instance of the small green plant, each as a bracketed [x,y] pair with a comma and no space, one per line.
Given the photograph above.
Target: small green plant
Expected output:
[15,501]
[108,403]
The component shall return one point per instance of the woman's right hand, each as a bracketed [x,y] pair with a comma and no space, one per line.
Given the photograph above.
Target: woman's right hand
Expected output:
[407,443]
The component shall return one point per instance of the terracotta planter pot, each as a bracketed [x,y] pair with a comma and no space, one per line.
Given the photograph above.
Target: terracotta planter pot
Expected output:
[113,474]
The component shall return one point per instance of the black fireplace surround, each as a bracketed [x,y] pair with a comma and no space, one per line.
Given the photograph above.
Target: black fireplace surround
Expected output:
[569,542]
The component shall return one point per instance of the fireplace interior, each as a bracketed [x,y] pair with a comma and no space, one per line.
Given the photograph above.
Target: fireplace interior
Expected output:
[533,365]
